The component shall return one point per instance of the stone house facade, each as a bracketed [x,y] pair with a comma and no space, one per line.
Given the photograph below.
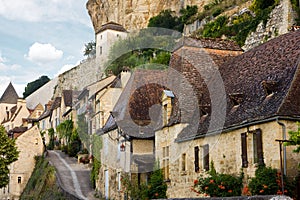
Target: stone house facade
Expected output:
[258,106]
[30,144]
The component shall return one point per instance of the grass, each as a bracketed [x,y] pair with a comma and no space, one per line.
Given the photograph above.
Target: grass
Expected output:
[42,183]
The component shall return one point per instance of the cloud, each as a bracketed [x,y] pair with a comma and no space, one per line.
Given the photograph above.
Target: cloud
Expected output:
[43,53]
[6,67]
[40,11]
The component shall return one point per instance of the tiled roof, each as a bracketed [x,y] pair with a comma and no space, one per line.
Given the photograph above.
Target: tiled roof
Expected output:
[10,95]
[112,26]
[209,43]
[137,103]
[266,80]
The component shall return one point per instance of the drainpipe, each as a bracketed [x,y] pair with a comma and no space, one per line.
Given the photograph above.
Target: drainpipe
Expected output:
[284,147]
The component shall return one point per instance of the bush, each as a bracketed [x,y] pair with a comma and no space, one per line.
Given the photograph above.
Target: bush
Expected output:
[267,181]
[218,185]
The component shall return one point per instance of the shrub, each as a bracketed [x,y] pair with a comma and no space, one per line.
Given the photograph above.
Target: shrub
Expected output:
[267,181]
[218,185]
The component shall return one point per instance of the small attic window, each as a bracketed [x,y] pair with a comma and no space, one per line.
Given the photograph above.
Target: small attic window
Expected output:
[236,98]
[269,87]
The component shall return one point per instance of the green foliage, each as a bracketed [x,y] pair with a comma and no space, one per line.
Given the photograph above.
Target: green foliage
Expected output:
[157,186]
[65,130]
[8,155]
[51,139]
[218,185]
[259,5]
[90,49]
[296,7]
[82,129]
[267,181]
[133,189]
[132,51]
[216,28]
[187,13]
[34,85]
[95,171]
[295,139]
[166,19]
[42,183]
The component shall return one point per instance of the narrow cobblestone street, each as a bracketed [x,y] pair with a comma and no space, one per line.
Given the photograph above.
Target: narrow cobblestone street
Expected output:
[74,177]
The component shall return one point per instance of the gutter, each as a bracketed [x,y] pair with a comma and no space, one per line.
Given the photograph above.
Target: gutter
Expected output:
[215,132]
[284,147]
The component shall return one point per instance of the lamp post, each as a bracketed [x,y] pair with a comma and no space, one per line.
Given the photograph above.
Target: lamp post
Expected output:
[281,167]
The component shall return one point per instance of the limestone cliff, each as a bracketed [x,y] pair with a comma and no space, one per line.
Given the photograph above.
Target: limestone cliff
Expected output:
[133,14]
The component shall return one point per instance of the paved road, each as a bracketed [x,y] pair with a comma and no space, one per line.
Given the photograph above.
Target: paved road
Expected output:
[75,178]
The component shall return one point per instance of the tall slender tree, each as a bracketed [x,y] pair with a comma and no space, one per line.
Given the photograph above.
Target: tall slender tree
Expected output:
[8,154]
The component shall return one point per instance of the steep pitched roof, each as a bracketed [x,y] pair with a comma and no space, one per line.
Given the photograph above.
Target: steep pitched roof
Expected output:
[134,109]
[112,26]
[260,84]
[10,95]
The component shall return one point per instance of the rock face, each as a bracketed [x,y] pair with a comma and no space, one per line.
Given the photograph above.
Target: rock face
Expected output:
[133,14]
[281,19]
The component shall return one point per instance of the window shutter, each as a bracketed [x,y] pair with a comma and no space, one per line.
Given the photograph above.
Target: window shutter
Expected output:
[206,157]
[259,147]
[244,150]
[196,162]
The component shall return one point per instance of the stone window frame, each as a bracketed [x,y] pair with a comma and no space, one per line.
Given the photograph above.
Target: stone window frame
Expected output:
[205,157]
[166,162]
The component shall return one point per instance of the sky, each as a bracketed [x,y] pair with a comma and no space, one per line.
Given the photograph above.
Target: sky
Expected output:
[41,38]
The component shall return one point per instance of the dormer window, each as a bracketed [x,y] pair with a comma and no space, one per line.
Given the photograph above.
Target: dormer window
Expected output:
[236,98]
[167,105]
[269,87]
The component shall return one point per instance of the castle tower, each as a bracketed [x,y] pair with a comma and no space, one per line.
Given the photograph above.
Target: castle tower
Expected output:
[107,35]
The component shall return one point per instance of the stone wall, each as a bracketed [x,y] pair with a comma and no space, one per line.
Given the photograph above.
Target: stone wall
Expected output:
[224,151]
[78,77]
[30,145]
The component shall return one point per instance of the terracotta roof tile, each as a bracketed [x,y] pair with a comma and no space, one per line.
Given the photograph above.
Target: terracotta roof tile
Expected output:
[252,74]
[112,26]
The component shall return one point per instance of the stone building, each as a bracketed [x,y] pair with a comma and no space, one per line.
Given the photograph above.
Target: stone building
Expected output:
[30,144]
[235,122]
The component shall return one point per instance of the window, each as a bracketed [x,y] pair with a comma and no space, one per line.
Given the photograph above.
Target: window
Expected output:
[101,37]
[183,162]
[244,150]
[258,147]
[196,162]
[100,50]
[206,157]
[166,162]
[19,179]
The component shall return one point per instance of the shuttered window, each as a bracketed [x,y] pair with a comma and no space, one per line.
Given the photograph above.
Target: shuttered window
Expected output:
[244,150]
[259,146]
[196,162]
[206,157]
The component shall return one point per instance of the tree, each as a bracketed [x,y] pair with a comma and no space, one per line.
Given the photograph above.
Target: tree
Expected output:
[8,154]
[157,186]
[90,49]
[295,139]
[166,19]
[34,85]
